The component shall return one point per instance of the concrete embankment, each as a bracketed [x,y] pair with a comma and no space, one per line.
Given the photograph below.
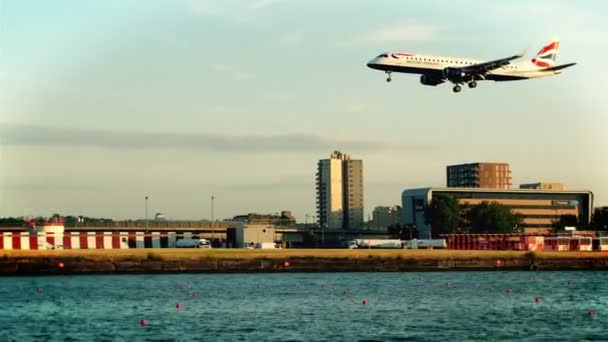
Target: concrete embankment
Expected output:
[176,261]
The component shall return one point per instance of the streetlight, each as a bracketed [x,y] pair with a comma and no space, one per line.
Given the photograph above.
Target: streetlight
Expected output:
[212,219]
[146,214]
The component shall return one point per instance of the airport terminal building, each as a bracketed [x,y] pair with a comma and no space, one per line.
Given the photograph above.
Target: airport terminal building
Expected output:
[539,208]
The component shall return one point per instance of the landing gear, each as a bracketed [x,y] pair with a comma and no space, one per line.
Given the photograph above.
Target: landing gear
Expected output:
[456,88]
[472,84]
[388,79]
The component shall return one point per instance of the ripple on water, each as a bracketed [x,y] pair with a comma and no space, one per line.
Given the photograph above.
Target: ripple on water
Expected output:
[402,307]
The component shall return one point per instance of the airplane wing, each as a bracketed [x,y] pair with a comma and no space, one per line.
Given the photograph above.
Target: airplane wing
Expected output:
[558,67]
[482,68]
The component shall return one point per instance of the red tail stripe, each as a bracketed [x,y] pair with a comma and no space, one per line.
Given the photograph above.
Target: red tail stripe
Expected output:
[551,46]
[541,63]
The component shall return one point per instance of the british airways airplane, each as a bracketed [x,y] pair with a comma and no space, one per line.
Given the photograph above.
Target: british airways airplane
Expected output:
[435,70]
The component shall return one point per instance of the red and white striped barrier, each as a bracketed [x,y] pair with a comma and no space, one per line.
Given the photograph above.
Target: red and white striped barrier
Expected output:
[90,240]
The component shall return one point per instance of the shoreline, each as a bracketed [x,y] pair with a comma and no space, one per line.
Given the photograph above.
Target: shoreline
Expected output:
[158,261]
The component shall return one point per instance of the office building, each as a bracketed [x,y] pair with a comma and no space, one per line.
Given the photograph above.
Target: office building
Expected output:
[383,217]
[479,175]
[540,209]
[544,186]
[340,192]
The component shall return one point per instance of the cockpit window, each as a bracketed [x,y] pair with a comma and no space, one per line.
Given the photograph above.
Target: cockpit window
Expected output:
[383,55]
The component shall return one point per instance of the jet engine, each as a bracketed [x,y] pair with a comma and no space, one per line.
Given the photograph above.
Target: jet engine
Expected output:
[430,81]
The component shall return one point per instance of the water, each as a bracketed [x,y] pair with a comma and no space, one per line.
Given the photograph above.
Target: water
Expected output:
[401,306]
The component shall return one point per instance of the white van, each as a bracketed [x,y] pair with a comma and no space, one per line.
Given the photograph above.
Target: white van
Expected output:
[193,243]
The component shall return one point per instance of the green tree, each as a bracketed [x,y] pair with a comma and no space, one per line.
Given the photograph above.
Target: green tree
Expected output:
[600,218]
[492,217]
[444,215]
[11,222]
[402,231]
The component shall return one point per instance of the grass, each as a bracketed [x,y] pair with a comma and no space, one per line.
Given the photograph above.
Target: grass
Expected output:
[171,254]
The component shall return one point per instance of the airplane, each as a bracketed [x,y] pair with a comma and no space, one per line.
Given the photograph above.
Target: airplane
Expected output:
[435,70]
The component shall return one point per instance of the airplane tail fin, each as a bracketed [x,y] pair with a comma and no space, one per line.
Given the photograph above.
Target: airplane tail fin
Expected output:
[545,58]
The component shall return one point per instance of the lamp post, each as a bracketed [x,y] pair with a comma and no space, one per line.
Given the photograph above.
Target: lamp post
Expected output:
[146,214]
[212,218]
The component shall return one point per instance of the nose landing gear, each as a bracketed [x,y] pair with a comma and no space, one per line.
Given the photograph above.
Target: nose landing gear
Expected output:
[388,79]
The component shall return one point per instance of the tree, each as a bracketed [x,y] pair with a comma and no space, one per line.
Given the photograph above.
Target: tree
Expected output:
[402,231]
[444,215]
[600,218]
[11,222]
[492,217]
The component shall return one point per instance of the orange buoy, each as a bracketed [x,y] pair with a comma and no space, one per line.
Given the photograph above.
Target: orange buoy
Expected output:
[60,265]
[143,322]
[286,264]
[365,302]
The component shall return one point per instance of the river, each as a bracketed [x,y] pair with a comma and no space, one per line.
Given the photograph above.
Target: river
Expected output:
[407,306]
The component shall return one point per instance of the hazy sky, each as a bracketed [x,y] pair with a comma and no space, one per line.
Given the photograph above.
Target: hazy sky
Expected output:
[105,102]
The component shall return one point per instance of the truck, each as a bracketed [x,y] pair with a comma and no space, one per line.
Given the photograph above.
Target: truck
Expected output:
[372,243]
[422,244]
[193,243]
[267,245]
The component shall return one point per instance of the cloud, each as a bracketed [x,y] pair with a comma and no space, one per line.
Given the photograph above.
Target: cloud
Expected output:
[201,8]
[233,72]
[399,33]
[33,135]
[261,4]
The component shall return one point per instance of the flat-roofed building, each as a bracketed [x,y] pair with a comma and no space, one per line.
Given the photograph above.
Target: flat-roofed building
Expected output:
[539,208]
[544,186]
[340,192]
[383,217]
[479,175]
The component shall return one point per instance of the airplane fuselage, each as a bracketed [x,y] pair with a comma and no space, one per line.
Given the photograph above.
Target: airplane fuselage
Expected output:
[434,65]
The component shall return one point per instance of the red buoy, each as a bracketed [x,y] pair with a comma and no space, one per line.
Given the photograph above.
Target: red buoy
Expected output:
[591,313]
[538,299]
[60,265]
[498,262]
[570,283]
[195,294]
[40,290]
[178,306]
[365,302]
[345,292]
[143,322]
[286,264]
[324,285]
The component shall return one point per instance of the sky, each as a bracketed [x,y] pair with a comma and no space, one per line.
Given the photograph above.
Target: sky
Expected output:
[105,102]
